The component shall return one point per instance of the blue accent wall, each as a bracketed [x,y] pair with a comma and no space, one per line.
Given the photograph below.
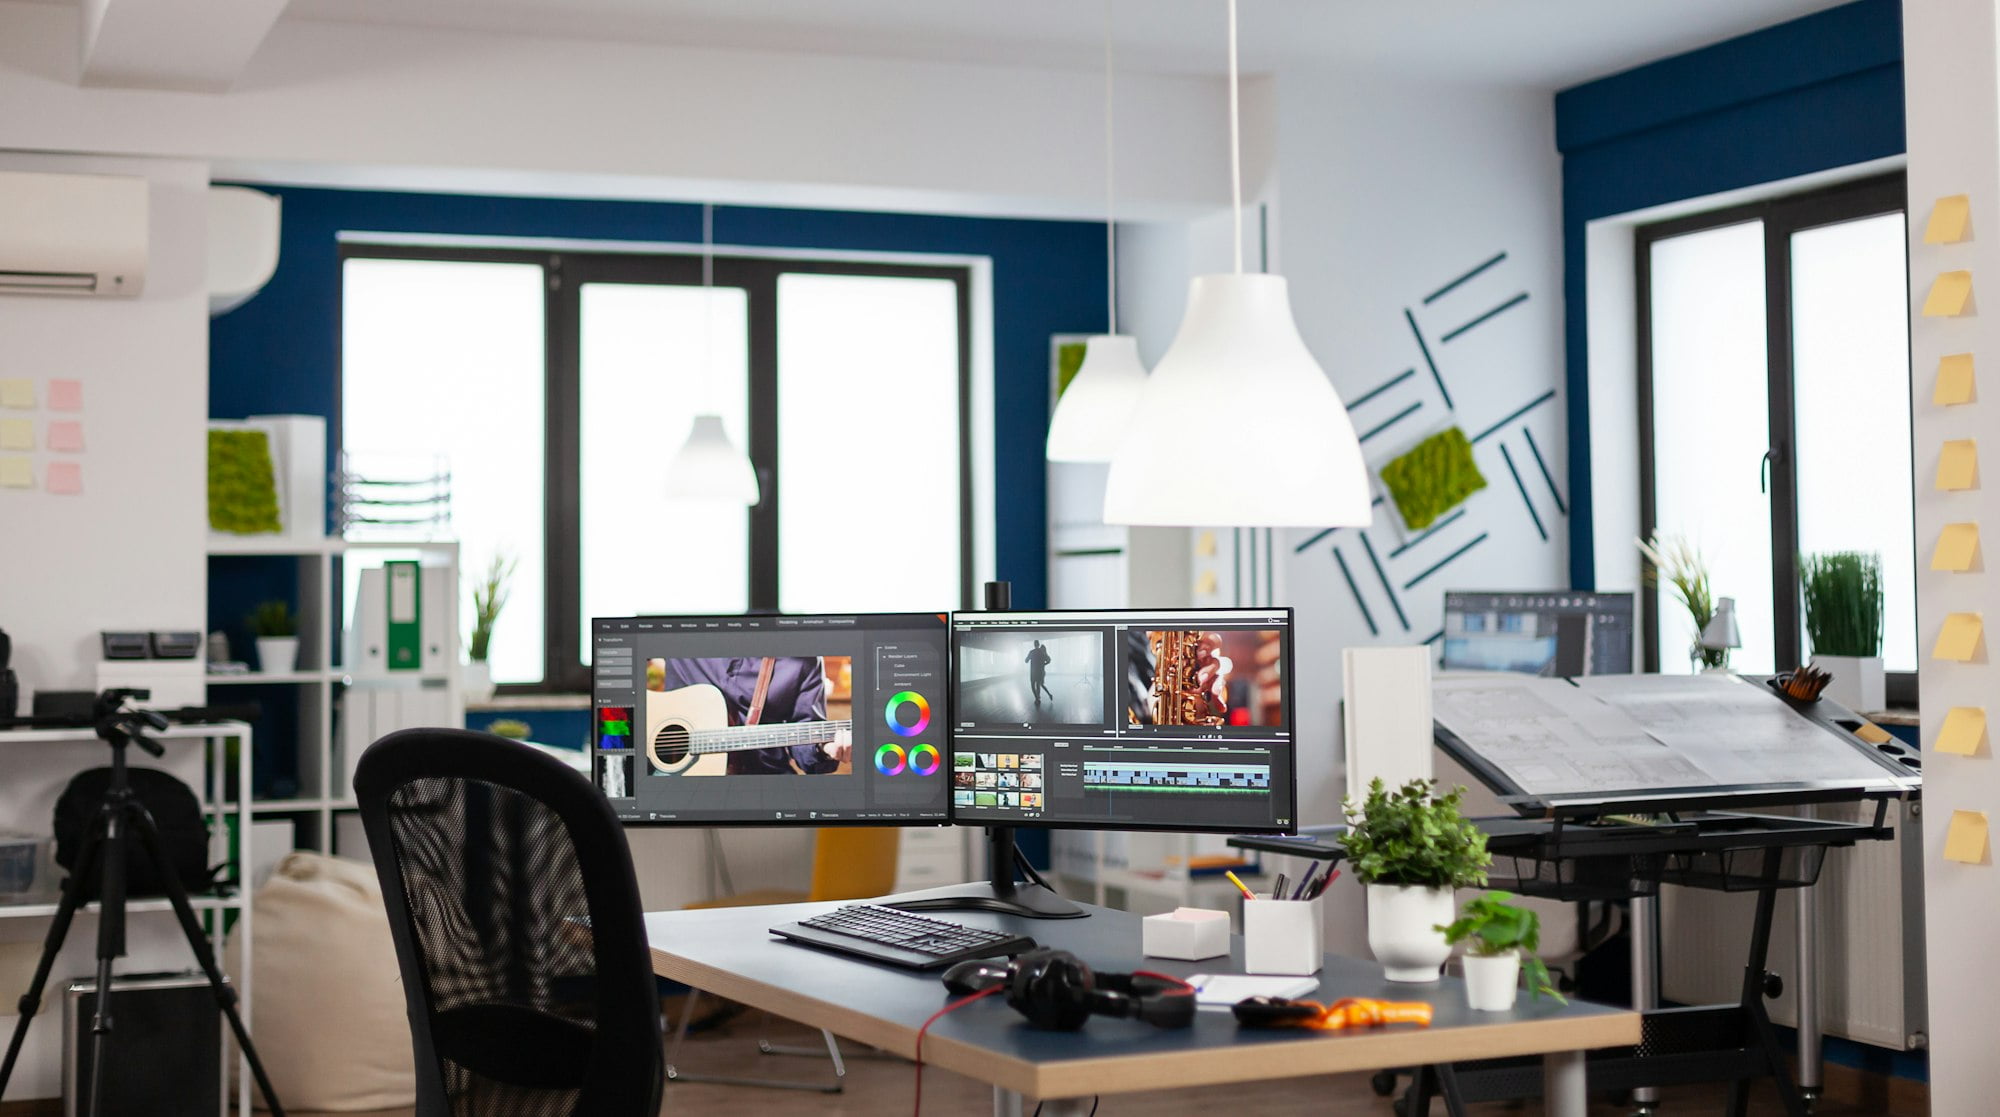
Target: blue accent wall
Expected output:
[279,353]
[1810,95]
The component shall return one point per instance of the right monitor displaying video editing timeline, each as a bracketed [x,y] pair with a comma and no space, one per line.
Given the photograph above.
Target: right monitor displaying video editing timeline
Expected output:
[1123,720]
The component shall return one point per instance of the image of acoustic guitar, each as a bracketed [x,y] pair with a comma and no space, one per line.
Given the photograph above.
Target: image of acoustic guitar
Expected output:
[688,732]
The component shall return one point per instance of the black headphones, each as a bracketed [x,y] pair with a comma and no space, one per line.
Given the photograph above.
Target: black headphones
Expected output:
[1054,989]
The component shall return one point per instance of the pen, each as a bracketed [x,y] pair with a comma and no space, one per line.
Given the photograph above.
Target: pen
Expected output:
[1324,881]
[1305,884]
[1238,882]
[1278,887]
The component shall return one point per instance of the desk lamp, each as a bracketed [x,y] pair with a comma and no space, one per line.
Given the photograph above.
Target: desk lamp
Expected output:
[1720,633]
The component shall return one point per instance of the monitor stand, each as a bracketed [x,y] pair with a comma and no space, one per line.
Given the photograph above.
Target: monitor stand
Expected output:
[1031,898]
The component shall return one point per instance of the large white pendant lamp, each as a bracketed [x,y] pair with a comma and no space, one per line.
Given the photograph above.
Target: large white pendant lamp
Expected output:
[1238,426]
[1093,411]
[708,466]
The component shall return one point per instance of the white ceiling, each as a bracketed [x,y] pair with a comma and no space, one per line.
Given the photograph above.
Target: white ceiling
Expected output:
[1540,43]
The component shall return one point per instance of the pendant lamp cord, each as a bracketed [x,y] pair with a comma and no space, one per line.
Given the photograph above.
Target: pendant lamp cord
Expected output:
[1110,162]
[1235,146]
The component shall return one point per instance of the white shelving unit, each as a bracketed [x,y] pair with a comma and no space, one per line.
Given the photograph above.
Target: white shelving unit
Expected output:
[320,678]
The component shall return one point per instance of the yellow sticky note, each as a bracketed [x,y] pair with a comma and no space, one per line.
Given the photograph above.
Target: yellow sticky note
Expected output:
[1951,220]
[15,474]
[17,434]
[1949,293]
[1958,465]
[1957,546]
[17,394]
[1206,584]
[1965,839]
[1204,544]
[1963,731]
[1954,380]
[1872,733]
[1959,638]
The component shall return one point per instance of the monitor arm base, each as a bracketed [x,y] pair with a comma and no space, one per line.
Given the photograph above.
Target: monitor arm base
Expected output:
[1031,898]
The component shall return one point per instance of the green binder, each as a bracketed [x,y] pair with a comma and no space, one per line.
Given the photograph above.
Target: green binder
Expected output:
[406,614]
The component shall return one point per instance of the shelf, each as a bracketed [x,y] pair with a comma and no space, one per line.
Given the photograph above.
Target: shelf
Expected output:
[295,806]
[280,545]
[171,733]
[259,678]
[500,704]
[150,903]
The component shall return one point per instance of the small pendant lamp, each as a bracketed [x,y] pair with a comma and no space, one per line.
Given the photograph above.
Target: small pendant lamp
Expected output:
[709,467]
[1238,426]
[1094,409]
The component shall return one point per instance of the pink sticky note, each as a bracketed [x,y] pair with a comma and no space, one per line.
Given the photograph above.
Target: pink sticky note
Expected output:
[66,395]
[65,478]
[66,437]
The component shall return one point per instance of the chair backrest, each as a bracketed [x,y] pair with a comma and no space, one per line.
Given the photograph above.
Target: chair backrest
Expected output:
[518,929]
[854,862]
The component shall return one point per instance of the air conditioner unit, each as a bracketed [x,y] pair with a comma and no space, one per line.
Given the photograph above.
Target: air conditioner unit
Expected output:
[72,234]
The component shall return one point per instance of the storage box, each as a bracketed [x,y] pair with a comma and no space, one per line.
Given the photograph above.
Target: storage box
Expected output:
[1283,937]
[20,865]
[1189,934]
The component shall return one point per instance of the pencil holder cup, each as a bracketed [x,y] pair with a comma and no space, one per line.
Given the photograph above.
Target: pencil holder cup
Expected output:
[1283,937]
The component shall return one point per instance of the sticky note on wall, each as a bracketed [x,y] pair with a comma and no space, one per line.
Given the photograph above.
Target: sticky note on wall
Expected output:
[1954,380]
[1958,465]
[1963,732]
[16,473]
[17,434]
[1958,640]
[1951,220]
[1950,294]
[1957,548]
[17,393]
[1965,839]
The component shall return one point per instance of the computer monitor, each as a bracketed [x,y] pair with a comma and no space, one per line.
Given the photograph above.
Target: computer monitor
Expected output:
[1555,632]
[847,726]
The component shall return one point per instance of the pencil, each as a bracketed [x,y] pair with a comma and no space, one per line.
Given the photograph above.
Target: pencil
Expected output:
[1238,882]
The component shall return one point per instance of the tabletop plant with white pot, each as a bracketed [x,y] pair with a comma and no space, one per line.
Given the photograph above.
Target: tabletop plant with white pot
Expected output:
[1500,942]
[1413,848]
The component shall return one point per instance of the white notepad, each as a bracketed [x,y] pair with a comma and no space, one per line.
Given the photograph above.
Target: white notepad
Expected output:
[1221,990]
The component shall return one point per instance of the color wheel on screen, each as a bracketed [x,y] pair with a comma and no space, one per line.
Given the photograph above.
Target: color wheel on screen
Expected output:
[896,704]
[889,759]
[924,760]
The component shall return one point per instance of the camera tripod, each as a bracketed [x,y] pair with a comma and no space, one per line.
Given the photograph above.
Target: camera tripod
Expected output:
[120,824]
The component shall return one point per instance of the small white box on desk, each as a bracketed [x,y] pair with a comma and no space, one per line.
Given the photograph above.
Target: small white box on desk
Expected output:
[1189,934]
[1283,937]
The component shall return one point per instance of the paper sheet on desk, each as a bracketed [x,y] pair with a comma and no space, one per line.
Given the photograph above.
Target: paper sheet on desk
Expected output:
[1222,990]
[1736,730]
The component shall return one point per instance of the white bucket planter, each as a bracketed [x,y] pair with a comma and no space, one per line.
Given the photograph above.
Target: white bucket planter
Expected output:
[1857,681]
[476,679]
[1493,981]
[277,655]
[1402,922]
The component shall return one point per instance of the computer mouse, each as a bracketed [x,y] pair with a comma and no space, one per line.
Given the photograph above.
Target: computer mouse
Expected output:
[975,975]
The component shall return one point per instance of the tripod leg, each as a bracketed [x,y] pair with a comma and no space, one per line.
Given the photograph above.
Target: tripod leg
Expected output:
[31,1001]
[110,943]
[225,995]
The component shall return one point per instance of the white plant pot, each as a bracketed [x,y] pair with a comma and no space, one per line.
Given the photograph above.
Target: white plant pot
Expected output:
[476,679]
[277,655]
[1402,922]
[1857,681]
[1493,981]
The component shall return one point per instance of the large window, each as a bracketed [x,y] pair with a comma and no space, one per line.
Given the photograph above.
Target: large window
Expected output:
[558,386]
[1775,394]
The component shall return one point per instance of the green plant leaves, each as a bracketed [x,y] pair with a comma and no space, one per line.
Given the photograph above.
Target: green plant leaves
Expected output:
[1843,596]
[1414,837]
[1433,477]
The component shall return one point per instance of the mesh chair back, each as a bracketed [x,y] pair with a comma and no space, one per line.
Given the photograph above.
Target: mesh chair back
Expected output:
[518,930]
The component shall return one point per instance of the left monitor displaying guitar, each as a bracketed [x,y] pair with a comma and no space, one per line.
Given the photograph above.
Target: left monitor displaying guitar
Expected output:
[770,720]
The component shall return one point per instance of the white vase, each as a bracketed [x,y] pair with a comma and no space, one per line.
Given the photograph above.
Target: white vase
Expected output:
[1492,981]
[1402,934]
[277,655]
[1857,681]
[476,679]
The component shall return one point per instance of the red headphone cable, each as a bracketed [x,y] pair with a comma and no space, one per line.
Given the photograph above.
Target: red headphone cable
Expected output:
[918,1108]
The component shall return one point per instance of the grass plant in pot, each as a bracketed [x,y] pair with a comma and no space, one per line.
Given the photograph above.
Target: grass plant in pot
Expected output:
[1500,942]
[1843,596]
[1412,848]
[1679,564]
[277,631]
[489,597]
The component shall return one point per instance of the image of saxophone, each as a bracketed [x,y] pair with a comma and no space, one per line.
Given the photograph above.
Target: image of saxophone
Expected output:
[1178,695]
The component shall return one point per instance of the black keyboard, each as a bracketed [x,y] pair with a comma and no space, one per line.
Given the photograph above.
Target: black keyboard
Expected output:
[900,938]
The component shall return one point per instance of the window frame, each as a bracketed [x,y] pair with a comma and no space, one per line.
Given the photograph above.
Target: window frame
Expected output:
[1781,217]
[565,272]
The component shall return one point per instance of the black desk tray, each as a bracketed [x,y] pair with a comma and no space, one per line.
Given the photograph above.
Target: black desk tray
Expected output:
[1617,860]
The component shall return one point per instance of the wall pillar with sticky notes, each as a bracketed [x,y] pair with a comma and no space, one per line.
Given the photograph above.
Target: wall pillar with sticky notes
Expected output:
[1952,104]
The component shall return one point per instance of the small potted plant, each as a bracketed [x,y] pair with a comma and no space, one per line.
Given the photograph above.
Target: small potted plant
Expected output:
[277,631]
[1500,942]
[1412,848]
[1843,596]
[1681,564]
[489,597]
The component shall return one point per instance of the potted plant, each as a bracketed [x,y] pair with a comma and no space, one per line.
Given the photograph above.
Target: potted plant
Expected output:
[1501,941]
[277,631]
[489,596]
[1843,597]
[1412,848]
[1682,565]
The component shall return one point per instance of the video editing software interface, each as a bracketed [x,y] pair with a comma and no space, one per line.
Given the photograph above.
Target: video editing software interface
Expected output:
[1168,720]
[772,719]
[1557,633]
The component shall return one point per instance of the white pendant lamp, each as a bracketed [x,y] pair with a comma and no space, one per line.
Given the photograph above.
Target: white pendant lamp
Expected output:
[708,466]
[1238,426]
[1094,409]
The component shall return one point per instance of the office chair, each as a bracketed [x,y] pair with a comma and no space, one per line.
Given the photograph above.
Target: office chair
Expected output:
[518,930]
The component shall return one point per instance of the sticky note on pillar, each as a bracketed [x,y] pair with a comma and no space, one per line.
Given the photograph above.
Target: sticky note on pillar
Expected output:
[17,434]
[1951,220]
[1963,732]
[17,393]
[1950,295]
[15,473]
[1965,838]
[1958,465]
[1958,640]
[1957,548]
[1954,380]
